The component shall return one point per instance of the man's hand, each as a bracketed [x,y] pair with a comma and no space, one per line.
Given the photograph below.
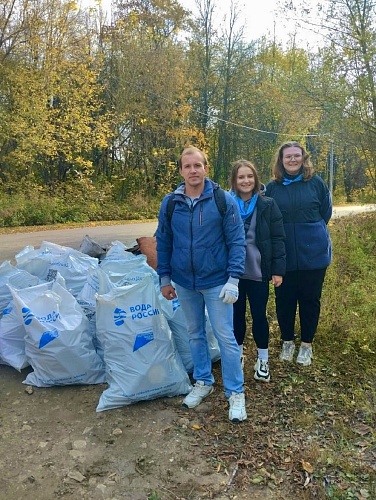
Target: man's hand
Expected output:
[168,292]
[230,293]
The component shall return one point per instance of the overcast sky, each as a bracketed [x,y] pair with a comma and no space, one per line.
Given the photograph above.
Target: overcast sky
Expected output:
[260,18]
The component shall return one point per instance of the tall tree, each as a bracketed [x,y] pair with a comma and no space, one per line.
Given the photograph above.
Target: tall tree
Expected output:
[349,27]
[203,50]
[52,94]
[146,89]
[228,68]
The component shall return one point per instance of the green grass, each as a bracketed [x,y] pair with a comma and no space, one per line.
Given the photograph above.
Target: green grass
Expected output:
[311,432]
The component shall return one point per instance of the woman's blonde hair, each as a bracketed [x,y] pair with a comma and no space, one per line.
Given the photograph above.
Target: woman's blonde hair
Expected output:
[278,170]
[234,174]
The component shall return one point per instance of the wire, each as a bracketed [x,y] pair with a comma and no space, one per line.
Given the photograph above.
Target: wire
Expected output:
[213,117]
[239,124]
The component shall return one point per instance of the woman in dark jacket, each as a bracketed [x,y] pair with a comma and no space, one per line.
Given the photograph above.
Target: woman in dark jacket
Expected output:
[306,206]
[265,260]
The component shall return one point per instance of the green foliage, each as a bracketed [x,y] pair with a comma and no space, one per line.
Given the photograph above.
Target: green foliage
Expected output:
[120,102]
[349,298]
[329,409]
[74,201]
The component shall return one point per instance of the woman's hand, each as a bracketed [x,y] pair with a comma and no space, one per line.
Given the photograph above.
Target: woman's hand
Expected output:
[277,280]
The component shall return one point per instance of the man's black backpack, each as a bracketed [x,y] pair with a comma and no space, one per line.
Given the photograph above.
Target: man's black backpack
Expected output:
[219,197]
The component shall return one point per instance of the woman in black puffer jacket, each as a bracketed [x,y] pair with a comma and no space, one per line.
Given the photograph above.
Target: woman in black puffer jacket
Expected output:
[265,259]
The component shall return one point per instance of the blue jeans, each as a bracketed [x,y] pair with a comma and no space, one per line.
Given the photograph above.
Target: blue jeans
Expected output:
[193,304]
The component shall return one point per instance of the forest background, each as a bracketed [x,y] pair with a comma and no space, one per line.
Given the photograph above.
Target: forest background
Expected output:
[95,112]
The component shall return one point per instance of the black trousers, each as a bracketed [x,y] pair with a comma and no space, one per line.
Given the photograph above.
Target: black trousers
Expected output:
[257,293]
[303,289]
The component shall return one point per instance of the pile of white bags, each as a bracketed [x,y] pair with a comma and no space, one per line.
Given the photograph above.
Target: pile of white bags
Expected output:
[76,319]
[51,259]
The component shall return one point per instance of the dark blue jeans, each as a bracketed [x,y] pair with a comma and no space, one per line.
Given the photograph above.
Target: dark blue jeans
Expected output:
[257,293]
[301,288]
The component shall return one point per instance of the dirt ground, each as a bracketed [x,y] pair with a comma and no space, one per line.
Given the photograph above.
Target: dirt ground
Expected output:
[54,445]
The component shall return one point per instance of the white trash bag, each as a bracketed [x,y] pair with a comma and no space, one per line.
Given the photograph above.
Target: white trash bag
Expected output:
[58,343]
[177,323]
[116,251]
[97,282]
[12,339]
[17,278]
[51,259]
[117,270]
[140,356]
[91,247]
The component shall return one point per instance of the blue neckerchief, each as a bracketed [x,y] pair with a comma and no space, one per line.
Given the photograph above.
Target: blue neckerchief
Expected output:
[245,212]
[287,181]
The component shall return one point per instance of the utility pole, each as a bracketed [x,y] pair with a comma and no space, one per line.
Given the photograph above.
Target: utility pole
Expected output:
[331,166]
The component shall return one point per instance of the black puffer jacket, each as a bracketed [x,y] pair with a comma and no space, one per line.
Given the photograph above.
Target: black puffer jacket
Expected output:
[270,238]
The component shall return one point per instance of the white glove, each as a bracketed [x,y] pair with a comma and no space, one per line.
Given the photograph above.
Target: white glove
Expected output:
[230,293]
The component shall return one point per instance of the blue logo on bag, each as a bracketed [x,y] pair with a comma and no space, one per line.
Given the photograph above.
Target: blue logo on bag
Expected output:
[175,304]
[119,316]
[27,315]
[142,339]
[7,310]
[48,337]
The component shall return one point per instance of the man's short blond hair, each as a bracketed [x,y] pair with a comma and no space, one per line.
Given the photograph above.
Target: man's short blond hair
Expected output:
[190,150]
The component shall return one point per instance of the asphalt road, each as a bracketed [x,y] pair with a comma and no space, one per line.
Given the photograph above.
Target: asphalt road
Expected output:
[11,244]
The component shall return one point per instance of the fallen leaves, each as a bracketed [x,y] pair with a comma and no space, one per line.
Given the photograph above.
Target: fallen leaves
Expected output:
[307,467]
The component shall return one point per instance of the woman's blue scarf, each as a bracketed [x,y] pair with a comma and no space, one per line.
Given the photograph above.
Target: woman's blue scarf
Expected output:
[289,179]
[246,208]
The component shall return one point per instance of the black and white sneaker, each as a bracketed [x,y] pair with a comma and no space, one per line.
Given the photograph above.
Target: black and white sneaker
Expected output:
[262,370]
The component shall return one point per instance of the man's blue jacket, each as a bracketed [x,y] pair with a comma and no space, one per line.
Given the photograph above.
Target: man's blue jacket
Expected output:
[199,248]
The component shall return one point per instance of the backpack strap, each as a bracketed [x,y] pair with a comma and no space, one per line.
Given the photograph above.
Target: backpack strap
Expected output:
[220,200]
[170,207]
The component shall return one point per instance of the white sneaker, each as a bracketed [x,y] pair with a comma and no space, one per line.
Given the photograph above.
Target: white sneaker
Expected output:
[305,355]
[197,394]
[262,370]
[237,411]
[288,349]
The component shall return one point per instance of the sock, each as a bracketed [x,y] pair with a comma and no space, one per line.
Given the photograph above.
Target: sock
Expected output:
[263,354]
[241,349]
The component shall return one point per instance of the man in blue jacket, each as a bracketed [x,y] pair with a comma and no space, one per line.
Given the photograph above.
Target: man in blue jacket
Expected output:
[202,252]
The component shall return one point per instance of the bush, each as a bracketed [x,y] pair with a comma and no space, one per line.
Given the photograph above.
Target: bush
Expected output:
[72,202]
[349,294]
